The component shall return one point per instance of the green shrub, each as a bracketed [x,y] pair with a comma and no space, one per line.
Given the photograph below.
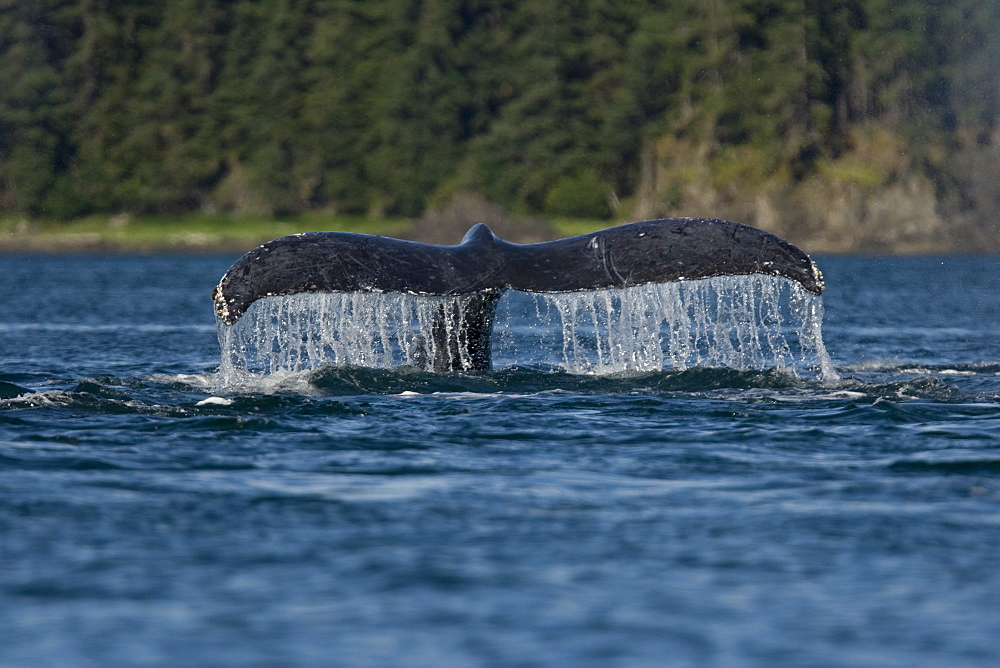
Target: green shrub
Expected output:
[583,195]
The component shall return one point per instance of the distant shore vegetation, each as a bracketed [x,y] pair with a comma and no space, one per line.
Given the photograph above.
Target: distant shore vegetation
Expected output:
[841,125]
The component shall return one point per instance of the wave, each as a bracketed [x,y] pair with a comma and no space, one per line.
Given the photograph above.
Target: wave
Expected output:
[105,395]
[213,393]
[340,381]
[196,394]
[11,390]
[100,328]
[345,381]
[921,388]
[956,465]
[896,366]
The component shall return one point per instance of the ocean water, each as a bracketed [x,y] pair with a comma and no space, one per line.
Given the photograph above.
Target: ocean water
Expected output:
[157,511]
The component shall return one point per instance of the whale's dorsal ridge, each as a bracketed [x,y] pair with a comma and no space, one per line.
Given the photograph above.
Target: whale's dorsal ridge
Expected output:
[479,234]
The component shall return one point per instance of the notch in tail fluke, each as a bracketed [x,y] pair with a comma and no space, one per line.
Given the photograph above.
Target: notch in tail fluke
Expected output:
[653,251]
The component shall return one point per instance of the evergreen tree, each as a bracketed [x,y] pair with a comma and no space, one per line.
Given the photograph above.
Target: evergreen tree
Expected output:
[385,106]
[35,130]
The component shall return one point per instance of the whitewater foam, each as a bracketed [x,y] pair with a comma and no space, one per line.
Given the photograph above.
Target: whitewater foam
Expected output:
[742,322]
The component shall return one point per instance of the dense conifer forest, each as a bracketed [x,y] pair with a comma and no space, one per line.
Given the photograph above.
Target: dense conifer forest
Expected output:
[850,123]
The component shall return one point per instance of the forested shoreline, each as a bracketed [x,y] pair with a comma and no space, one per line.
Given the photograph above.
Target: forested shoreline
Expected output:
[843,125]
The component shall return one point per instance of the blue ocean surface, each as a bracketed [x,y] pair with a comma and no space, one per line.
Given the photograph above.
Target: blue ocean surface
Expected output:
[526,516]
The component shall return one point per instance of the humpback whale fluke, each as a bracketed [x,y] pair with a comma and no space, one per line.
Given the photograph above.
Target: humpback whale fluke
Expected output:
[483,266]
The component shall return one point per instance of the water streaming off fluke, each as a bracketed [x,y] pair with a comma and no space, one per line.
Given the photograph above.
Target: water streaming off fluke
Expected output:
[743,322]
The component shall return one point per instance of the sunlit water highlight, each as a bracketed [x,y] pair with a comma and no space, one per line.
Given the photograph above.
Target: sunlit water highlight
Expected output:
[740,322]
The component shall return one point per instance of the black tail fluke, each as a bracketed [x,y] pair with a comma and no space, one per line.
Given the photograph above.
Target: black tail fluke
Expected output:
[655,251]
[483,266]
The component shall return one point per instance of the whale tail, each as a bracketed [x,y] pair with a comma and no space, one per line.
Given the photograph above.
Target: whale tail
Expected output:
[482,266]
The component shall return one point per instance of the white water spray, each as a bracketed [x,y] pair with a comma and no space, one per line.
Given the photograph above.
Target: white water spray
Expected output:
[743,322]
[299,332]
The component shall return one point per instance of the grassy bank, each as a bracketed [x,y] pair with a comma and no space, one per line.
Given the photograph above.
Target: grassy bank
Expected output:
[193,233]
[198,233]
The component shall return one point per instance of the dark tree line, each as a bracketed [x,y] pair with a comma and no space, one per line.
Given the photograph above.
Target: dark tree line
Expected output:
[389,106]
